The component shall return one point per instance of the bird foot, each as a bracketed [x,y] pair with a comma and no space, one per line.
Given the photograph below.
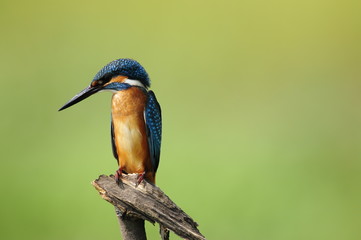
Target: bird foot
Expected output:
[118,175]
[140,178]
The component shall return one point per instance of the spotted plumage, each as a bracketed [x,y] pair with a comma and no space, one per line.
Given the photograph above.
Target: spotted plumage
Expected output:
[124,67]
[153,119]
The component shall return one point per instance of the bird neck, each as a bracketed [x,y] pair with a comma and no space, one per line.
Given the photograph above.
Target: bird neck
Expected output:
[133,82]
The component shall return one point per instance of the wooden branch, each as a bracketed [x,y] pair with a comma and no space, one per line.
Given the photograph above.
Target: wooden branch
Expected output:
[146,201]
[131,228]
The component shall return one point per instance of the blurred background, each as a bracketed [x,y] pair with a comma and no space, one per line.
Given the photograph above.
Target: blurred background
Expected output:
[261,115]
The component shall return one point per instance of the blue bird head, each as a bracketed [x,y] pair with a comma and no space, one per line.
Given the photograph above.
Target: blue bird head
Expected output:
[106,79]
[123,67]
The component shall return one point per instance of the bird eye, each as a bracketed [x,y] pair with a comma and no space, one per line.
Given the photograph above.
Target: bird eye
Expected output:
[100,82]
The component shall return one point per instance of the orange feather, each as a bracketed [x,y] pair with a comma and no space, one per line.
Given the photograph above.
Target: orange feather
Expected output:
[130,132]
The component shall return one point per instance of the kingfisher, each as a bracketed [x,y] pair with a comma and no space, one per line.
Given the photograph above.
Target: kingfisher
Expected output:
[136,121]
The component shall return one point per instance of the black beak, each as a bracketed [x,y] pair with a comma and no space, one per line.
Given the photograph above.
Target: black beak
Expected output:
[81,96]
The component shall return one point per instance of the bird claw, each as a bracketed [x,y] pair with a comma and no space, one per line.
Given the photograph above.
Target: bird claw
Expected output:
[140,178]
[118,175]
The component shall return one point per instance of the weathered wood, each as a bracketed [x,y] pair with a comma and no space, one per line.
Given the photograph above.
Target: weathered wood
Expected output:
[146,201]
[164,232]
[131,228]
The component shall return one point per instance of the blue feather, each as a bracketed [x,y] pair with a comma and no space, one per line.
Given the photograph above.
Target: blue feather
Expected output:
[153,120]
[125,67]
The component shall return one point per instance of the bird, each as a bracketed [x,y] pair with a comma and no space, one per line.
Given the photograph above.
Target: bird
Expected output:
[136,119]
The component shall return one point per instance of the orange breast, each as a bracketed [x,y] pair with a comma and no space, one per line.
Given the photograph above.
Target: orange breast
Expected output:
[130,131]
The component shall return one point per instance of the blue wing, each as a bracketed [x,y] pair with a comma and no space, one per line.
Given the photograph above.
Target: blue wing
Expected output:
[153,121]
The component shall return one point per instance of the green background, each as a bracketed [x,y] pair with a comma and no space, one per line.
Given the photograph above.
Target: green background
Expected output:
[261,114]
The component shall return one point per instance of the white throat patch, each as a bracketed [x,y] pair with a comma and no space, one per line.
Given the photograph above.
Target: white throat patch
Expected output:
[134,82]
